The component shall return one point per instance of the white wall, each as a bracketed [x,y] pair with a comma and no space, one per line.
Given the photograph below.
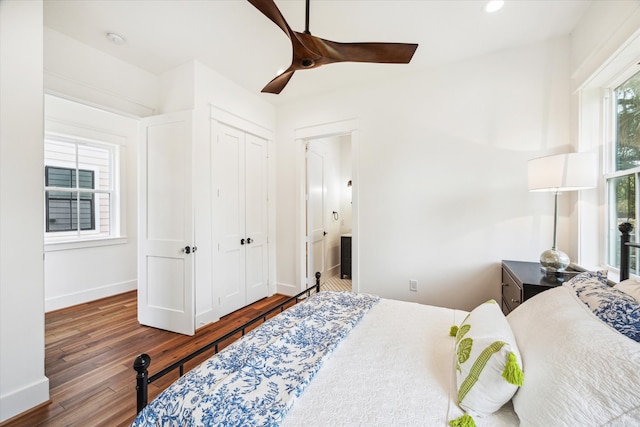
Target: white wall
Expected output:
[442,172]
[23,383]
[77,273]
[603,29]
[101,79]
[345,191]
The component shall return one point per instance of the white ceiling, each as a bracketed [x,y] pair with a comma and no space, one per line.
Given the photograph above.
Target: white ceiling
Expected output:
[235,39]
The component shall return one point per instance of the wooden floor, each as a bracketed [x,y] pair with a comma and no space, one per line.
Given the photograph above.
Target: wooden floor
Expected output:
[89,353]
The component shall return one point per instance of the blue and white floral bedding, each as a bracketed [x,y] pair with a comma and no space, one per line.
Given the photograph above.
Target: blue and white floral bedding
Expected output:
[615,308]
[256,380]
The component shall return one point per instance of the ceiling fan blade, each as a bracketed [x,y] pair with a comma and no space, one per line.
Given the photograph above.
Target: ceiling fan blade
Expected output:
[277,84]
[385,53]
[271,11]
[311,52]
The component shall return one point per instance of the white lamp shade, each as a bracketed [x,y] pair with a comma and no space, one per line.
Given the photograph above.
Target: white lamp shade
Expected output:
[563,172]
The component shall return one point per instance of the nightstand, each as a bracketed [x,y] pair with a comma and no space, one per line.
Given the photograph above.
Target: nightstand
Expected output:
[522,280]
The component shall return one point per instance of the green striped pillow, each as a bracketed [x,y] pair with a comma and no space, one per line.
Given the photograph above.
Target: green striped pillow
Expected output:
[488,363]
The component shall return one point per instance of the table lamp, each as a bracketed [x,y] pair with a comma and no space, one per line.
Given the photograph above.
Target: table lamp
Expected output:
[557,174]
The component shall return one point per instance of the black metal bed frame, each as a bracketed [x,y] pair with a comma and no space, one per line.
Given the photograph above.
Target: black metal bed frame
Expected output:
[625,246]
[142,362]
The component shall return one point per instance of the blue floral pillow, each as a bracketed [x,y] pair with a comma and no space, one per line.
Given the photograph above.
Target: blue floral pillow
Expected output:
[612,306]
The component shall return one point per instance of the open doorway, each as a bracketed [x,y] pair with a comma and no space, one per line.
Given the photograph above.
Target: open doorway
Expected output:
[328,179]
[338,201]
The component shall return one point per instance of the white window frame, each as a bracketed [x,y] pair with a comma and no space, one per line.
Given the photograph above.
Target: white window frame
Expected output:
[612,234]
[85,238]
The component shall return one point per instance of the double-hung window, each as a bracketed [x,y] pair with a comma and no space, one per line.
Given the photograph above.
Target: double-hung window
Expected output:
[623,167]
[80,190]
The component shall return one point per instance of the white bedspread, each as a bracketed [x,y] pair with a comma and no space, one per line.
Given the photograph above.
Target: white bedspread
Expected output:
[396,368]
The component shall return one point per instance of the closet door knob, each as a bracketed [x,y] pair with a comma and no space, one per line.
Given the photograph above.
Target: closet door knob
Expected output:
[187,249]
[249,240]
[242,241]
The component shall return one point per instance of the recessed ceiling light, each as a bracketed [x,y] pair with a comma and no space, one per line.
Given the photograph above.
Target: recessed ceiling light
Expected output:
[493,6]
[115,38]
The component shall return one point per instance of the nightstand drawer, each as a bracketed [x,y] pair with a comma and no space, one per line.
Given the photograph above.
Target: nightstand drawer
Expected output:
[522,280]
[511,291]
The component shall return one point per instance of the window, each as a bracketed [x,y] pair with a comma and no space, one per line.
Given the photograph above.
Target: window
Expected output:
[79,189]
[622,181]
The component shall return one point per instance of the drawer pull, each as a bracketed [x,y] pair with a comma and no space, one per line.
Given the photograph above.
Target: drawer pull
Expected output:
[515,301]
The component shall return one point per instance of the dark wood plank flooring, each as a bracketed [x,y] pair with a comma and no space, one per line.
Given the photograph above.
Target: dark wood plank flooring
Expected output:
[89,353]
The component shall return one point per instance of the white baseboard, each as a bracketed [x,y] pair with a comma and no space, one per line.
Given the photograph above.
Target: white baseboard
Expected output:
[287,289]
[19,401]
[64,301]
[333,271]
[203,319]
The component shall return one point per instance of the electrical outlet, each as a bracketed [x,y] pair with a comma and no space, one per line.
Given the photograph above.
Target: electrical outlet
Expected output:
[413,285]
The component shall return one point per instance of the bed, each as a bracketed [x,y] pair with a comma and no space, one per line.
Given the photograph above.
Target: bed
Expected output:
[568,356]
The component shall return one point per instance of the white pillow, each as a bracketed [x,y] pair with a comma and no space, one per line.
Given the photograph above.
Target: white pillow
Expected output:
[630,287]
[580,372]
[488,361]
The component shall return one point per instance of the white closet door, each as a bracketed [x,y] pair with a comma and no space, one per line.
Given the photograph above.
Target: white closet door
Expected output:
[166,257]
[256,218]
[240,267]
[228,217]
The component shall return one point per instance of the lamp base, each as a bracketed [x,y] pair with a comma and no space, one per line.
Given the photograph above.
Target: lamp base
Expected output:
[554,260]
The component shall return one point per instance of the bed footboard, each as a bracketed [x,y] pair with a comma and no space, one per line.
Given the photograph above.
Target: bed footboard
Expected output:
[625,246]
[142,362]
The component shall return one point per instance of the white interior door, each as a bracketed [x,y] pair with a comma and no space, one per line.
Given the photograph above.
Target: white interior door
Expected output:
[315,215]
[166,254]
[256,258]
[228,222]
[241,262]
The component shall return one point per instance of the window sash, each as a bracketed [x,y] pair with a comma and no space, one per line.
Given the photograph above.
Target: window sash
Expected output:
[93,193]
[62,207]
[623,201]
[626,116]
[622,170]
[62,212]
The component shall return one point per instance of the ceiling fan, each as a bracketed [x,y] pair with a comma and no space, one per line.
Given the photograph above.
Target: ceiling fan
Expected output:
[312,52]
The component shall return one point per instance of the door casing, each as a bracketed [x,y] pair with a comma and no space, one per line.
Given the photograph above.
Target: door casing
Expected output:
[302,135]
